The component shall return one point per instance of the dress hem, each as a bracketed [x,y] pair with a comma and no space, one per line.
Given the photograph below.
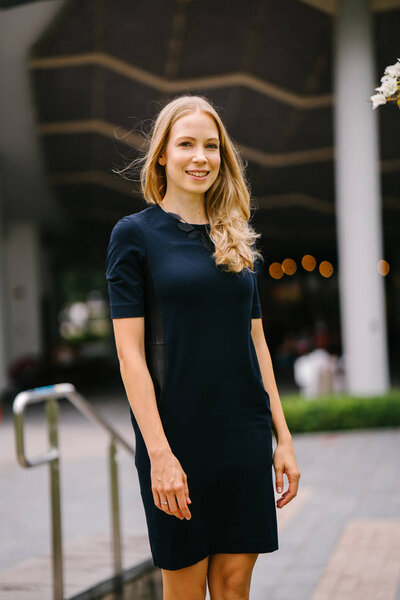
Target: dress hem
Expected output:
[233,548]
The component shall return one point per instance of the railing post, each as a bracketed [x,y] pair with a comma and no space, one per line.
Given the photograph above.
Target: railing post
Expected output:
[115,518]
[50,395]
[54,466]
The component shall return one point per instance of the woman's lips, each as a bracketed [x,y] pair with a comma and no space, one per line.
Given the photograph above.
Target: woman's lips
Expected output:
[199,175]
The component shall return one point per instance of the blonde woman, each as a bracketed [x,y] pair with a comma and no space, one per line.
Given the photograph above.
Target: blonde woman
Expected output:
[194,360]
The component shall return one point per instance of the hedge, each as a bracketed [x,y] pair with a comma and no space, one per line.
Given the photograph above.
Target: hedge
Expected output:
[337,412]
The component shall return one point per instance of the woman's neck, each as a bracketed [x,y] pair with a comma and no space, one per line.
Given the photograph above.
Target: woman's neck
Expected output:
[191,210]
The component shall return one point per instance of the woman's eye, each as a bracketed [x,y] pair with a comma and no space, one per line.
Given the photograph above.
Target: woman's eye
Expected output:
[187,144]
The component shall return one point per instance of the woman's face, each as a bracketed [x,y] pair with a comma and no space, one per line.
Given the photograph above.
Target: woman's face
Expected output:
[192,155]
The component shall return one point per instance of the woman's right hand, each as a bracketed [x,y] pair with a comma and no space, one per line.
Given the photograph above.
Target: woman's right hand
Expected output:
[169,484]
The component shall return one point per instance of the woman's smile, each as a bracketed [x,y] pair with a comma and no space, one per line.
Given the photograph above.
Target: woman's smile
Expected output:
[198,174]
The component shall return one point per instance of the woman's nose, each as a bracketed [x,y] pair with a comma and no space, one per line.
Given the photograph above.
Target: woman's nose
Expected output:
[199,155]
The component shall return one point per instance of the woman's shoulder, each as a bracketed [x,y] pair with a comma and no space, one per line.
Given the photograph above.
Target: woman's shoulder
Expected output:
[133,224]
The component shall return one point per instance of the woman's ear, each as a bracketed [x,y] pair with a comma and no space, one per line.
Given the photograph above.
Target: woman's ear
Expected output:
[161,160]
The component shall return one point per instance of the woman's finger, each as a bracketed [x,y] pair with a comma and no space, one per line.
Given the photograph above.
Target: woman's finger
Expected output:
[286,497]
[173,506]
[291,492]
[188,500]
[156,498]
[164,504]
[161,501]
[279,479]
[181,500]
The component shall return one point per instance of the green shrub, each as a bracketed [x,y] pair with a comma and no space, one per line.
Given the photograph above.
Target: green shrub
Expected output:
[328,413]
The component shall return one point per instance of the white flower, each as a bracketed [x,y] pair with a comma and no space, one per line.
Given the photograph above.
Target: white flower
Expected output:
[389,85]
[388,78]
[378,99]
[393,70]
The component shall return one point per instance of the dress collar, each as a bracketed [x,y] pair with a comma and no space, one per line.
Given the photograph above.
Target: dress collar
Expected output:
[193,230]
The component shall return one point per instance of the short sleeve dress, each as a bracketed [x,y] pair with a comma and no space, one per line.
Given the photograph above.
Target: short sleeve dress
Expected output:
[210,395]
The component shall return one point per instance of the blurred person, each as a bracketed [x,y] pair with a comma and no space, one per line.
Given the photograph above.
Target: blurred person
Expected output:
[194,360]
[313,373]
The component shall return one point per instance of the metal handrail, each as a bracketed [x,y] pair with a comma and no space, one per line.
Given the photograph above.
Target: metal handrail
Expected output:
[51,394]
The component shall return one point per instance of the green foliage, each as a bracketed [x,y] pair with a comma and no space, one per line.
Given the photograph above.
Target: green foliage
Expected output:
[75,285]
[332,413]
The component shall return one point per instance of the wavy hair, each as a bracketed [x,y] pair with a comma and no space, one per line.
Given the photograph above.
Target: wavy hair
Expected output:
[227,201]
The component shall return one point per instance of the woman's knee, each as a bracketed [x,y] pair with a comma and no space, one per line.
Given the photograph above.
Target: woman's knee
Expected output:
[229,576]
[189,583]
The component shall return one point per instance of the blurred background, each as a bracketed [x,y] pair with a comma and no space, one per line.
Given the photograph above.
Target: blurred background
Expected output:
[80,83]
[82,80]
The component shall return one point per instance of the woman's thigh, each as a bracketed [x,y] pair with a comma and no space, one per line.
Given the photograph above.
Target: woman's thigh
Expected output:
[189,583]
[229,575]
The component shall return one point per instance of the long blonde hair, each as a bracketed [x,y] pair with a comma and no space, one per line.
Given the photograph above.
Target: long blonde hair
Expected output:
[227,201]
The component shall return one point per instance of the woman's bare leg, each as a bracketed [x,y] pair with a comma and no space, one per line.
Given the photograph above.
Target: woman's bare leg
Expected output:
[189,583]
[229,576]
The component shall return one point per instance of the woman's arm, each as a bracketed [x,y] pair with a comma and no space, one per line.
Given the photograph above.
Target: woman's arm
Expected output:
[284,457]
[168,478]
[279,425]
[138,383]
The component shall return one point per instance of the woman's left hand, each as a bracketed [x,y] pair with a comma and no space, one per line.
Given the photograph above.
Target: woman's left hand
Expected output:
[285,462]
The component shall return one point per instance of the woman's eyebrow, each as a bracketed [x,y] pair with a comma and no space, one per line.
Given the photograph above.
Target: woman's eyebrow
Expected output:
[188,137]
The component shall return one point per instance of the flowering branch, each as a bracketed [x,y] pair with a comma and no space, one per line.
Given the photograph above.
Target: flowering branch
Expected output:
[389,91]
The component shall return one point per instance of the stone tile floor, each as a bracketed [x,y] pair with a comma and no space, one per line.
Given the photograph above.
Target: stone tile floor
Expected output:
[339,538]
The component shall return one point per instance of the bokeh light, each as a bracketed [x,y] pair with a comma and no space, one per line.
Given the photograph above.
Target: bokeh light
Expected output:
[275,270]
[383,267]
[326,268]
[289,266]
[308,262]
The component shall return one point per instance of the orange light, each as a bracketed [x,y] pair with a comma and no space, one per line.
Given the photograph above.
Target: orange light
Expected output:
[308,262]
[275,270]
[383,267]
[289,266]
[325,268]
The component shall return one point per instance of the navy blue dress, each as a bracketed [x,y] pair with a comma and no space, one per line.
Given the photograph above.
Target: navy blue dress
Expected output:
[212,402]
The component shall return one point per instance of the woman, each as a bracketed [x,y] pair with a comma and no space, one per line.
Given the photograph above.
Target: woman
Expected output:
[194,360]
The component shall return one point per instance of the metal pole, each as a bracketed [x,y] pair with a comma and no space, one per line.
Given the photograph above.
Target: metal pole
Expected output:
[115,519]
[52,423]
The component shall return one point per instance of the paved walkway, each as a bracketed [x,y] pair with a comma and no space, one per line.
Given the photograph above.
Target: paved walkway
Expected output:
[339,538]
[343,538]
